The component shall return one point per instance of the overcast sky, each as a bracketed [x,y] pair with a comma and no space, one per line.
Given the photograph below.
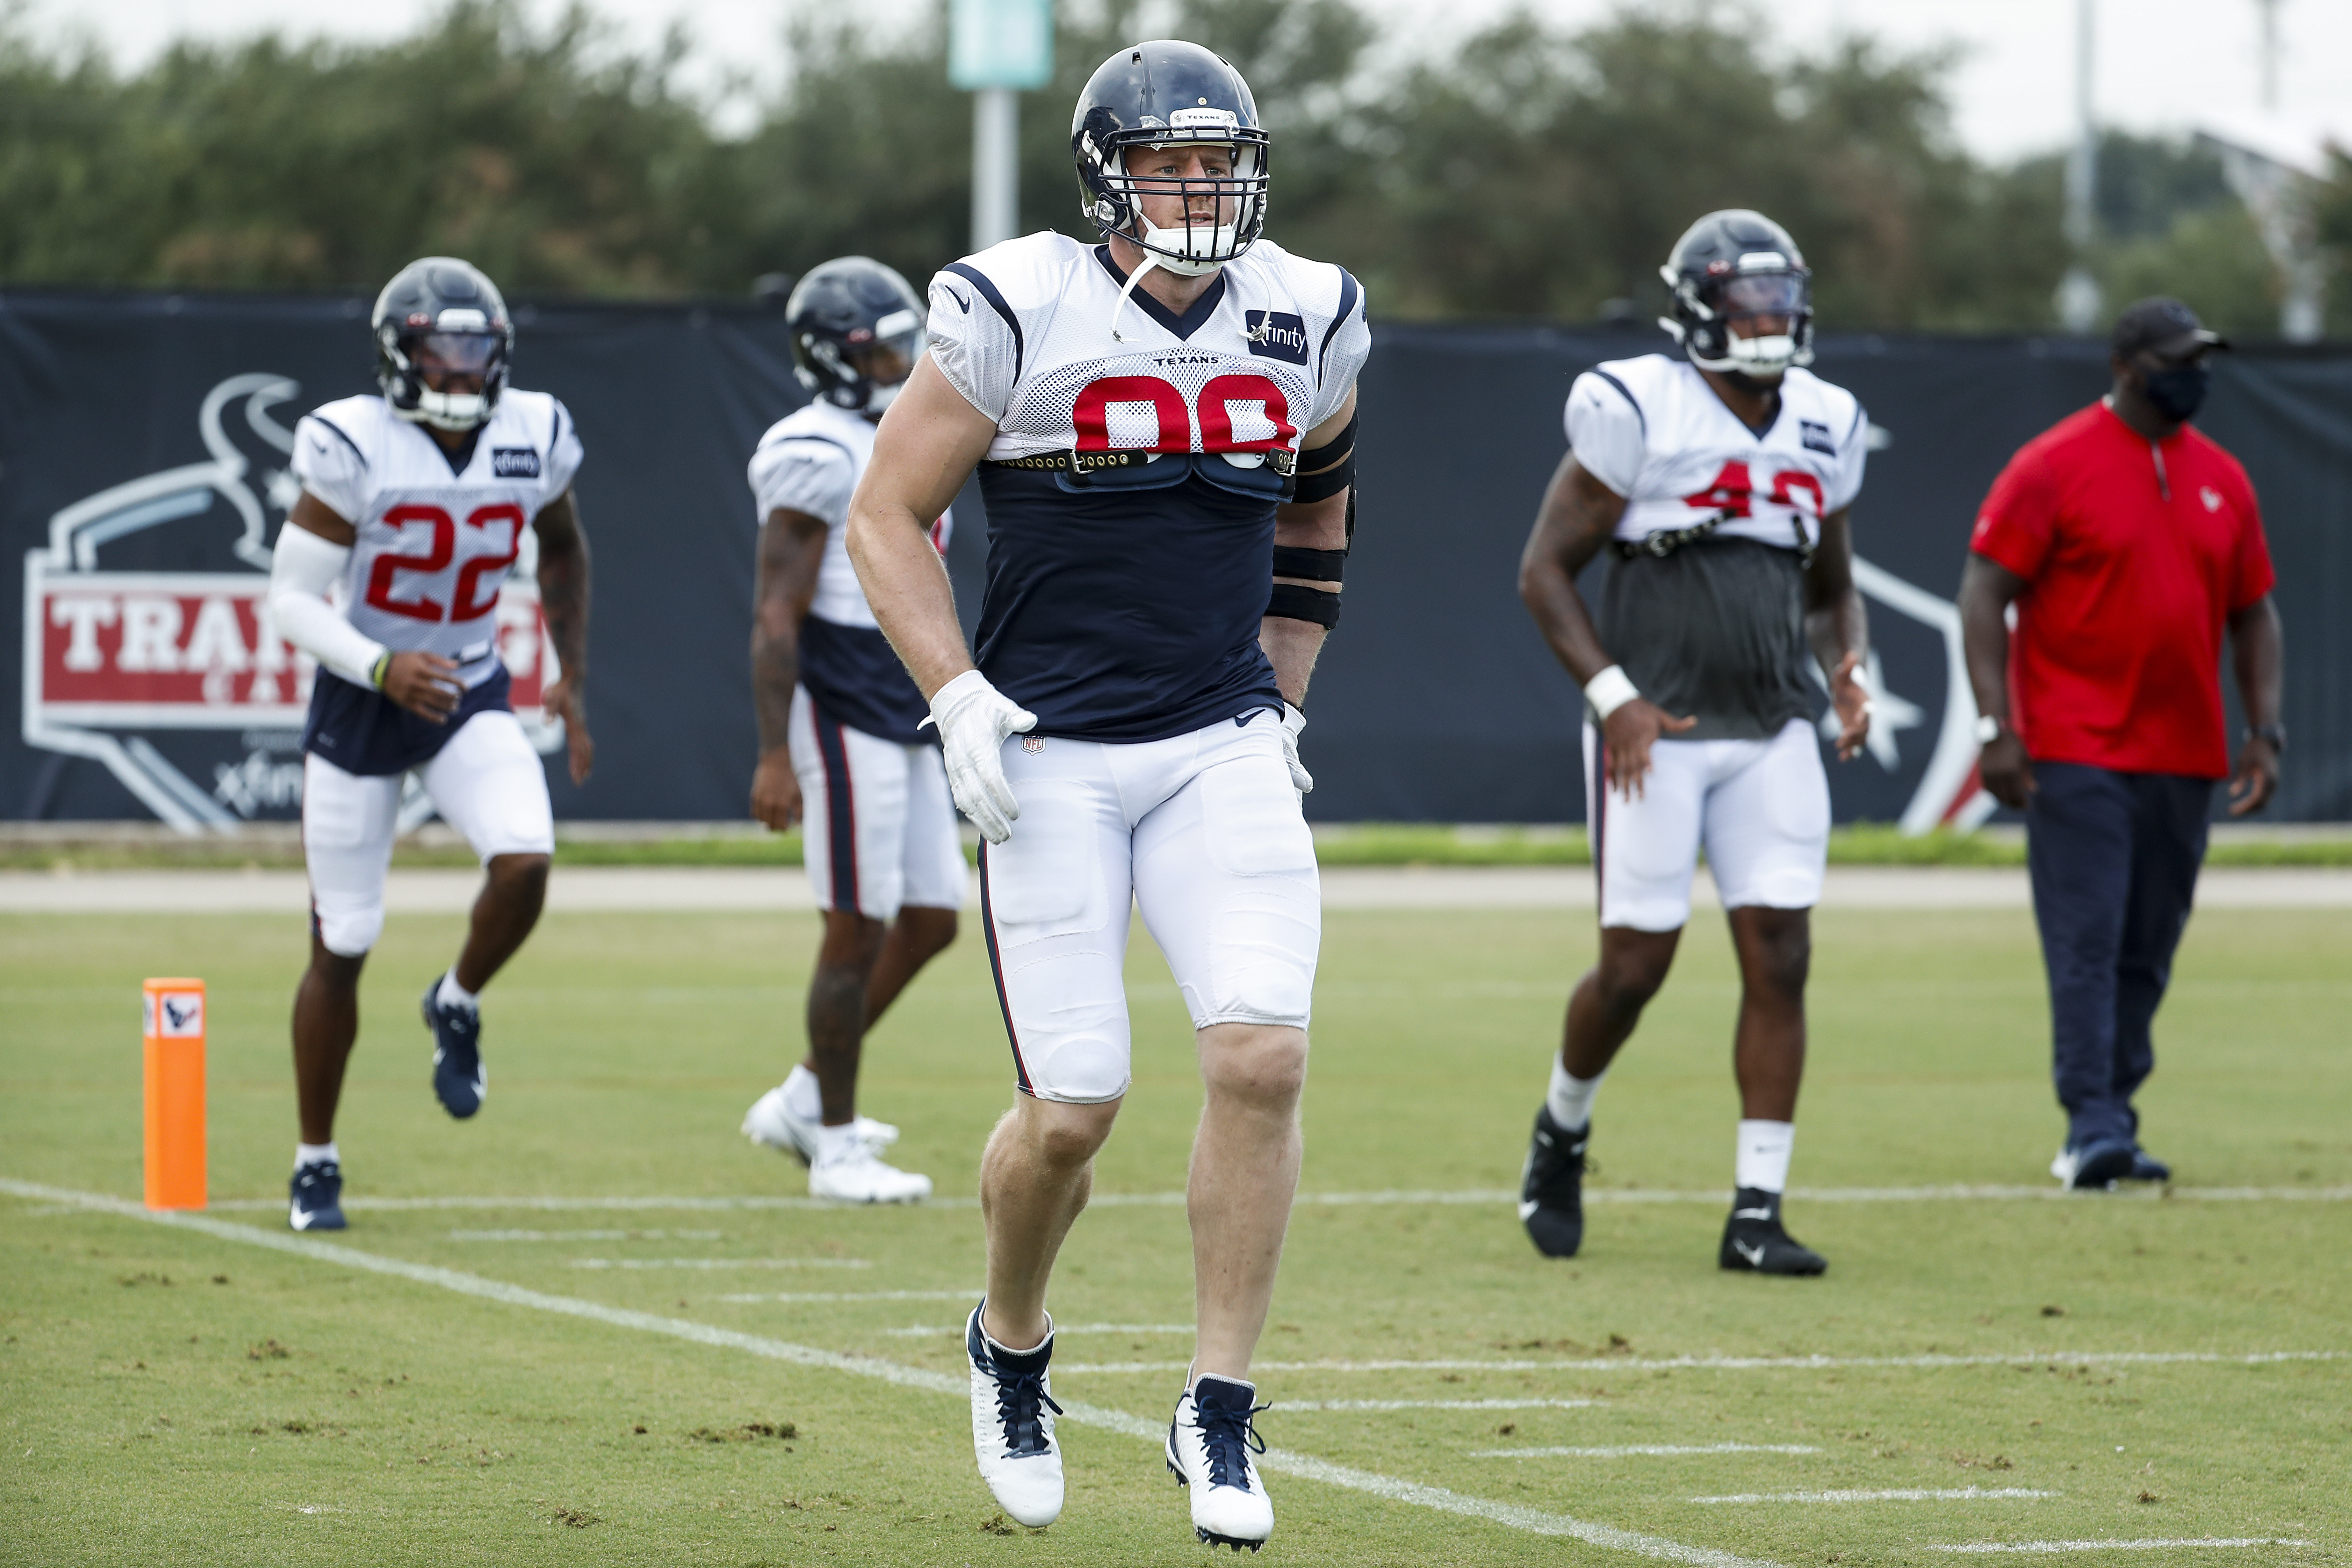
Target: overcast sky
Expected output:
[2161,64]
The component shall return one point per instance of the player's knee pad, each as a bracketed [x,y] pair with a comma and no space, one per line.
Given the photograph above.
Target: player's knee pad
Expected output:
[348,928]
[1057,946]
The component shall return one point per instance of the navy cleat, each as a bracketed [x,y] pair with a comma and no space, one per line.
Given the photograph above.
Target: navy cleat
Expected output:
[2147,1167]
[458,1078]
[1209,1447]
[1013,1413]
[317,1191]
[1754,1242]
[1552,1186]
[2097,1166]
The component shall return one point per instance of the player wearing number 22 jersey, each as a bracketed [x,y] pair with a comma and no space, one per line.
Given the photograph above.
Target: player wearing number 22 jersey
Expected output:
[416,504]
[1161,424]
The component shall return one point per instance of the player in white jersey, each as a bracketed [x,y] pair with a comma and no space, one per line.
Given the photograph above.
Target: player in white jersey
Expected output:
[1720,480]
[841,738]
[1163,426]
[414,509]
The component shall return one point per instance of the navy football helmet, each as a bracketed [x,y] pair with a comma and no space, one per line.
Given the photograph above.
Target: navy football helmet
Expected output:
[442,314]
[839,316]
[1732,264]
[1150,95]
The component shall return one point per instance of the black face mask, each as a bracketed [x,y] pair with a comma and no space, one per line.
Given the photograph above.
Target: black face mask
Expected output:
[2176,392]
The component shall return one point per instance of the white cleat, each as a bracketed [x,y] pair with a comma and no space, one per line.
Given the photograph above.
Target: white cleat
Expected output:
[1208,1448]
[857,1175]
[771,1123]
[1013,1413]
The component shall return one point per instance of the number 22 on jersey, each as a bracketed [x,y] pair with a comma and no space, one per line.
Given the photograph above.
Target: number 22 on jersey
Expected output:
[467,602]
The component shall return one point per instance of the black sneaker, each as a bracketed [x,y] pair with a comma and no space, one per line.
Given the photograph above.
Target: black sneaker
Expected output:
[1552,1186]
[458,1079]
[317,1191]
[1755,1243]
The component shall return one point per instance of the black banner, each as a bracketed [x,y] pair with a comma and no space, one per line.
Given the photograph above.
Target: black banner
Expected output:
[144,439]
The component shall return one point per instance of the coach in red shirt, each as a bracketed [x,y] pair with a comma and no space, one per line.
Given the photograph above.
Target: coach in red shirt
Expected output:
[2126,541]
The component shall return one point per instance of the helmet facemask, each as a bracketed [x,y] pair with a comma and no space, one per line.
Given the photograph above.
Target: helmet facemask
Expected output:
[866,366]
[1236,200]
[1761,285]
[455,342]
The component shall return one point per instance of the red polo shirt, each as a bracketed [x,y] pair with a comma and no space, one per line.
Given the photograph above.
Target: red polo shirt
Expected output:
[2133,553]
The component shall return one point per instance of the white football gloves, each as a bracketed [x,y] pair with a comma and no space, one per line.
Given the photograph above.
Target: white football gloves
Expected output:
[1293,721]
[975,718]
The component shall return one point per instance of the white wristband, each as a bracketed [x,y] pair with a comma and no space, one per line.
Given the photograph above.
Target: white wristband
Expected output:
[1610,691]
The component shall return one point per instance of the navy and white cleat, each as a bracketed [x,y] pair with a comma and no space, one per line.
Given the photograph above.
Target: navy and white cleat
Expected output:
[1013,1413]
[459,1079]
[1755,1241]
[1208,1448]
[1552,1186]
[317,1191]
[2095,1167]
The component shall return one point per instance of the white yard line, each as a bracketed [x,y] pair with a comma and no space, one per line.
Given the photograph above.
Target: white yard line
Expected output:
[1899,1494]
[971,1295]
[955,1330]
[1279,1461]
[1642,1450]
[1393,1197]
[2150,1545]
[1293,1406]
[719,1263]
[1754,1363]
[585,1236]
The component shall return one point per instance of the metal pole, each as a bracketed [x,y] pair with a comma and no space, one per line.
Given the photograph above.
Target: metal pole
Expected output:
[2269,55]
[995,166]
[2083,167]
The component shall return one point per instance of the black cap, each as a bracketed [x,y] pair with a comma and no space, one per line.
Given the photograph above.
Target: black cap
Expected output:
[2165,325]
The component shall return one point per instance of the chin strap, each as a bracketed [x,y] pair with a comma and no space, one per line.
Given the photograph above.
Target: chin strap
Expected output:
[1151,260]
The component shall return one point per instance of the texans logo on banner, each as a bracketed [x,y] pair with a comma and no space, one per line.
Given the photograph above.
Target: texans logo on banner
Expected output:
[142,671]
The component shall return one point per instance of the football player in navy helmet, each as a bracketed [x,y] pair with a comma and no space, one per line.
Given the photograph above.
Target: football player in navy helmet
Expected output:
[841,736]
[418,502]
[1163,425]
[1720,481]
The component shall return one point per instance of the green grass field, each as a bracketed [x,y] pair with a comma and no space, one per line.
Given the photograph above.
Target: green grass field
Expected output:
[171,1394]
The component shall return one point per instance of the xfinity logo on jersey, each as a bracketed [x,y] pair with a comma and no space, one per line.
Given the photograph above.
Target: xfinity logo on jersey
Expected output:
[1273,334]
[514,462]
[1815,435]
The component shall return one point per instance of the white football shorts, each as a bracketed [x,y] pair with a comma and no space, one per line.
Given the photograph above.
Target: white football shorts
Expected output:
[485,782]
[1761,808]
[878,824]
[1203,832]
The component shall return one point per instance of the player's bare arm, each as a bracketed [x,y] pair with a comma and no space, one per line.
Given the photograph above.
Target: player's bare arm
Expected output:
[563,599]
[791,549]
[1837,627]
[424,683]
[1291,646]
[1577,515]
[1987,589]
[926,448]
[2258,657]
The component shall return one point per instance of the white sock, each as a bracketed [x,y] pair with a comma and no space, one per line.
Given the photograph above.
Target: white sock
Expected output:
[801,1096]
[837,1143]
[1571,1097]
[312,1153]
[1763,1158]
[453,994]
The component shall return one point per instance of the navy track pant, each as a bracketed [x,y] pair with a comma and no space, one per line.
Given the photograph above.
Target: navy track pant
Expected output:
[2114,857]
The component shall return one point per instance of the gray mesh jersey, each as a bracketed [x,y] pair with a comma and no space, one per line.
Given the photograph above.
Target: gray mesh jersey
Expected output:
[1124,604]
[1715,629]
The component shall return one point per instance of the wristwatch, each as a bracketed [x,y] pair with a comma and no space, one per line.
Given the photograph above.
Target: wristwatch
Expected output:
[2274,734]
[1989,729]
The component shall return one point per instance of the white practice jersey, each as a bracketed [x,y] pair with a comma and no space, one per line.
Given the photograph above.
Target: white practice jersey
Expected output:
[811,461]
[435,544]
[1023,329]
[1652,430]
